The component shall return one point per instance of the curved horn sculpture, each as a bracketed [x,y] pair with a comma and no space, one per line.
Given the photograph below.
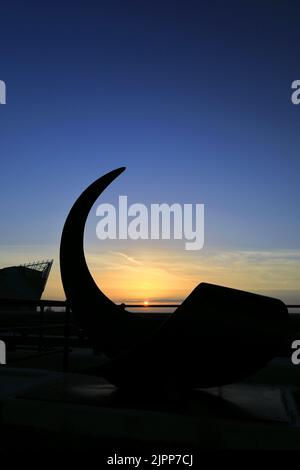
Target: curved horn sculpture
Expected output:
[109,326]
[216,336]
[79,286]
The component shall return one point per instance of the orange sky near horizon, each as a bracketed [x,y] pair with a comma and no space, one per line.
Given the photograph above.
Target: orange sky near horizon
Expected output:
[160,275]
[169,275]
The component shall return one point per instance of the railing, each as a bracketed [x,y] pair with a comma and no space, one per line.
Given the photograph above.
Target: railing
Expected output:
[31,317]
[15,313]
[20,309]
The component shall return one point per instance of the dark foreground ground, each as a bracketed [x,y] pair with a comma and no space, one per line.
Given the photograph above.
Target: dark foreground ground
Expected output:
[44,409]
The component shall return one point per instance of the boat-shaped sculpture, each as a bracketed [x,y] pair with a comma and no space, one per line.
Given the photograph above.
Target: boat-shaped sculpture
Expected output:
[218,335]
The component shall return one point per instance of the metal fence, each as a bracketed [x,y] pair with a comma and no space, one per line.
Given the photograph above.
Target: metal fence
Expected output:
[19,318]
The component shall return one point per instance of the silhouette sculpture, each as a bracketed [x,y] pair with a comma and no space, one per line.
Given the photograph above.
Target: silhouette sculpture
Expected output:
[217,336]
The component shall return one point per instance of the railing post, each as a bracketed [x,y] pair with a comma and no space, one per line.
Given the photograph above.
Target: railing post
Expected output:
[66,339]
[41,335]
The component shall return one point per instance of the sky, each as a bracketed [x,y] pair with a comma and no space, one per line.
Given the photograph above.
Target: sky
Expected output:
[194,98]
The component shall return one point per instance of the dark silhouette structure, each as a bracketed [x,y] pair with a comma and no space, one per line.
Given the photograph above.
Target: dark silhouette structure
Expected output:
[216,336]
[23,282]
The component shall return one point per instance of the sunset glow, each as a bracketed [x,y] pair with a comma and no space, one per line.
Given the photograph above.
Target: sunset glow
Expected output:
[147,101]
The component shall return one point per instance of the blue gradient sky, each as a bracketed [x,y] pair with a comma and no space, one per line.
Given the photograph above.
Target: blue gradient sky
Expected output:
[192,97]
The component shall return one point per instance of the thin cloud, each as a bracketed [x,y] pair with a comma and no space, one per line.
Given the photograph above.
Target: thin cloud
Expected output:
[128,258]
